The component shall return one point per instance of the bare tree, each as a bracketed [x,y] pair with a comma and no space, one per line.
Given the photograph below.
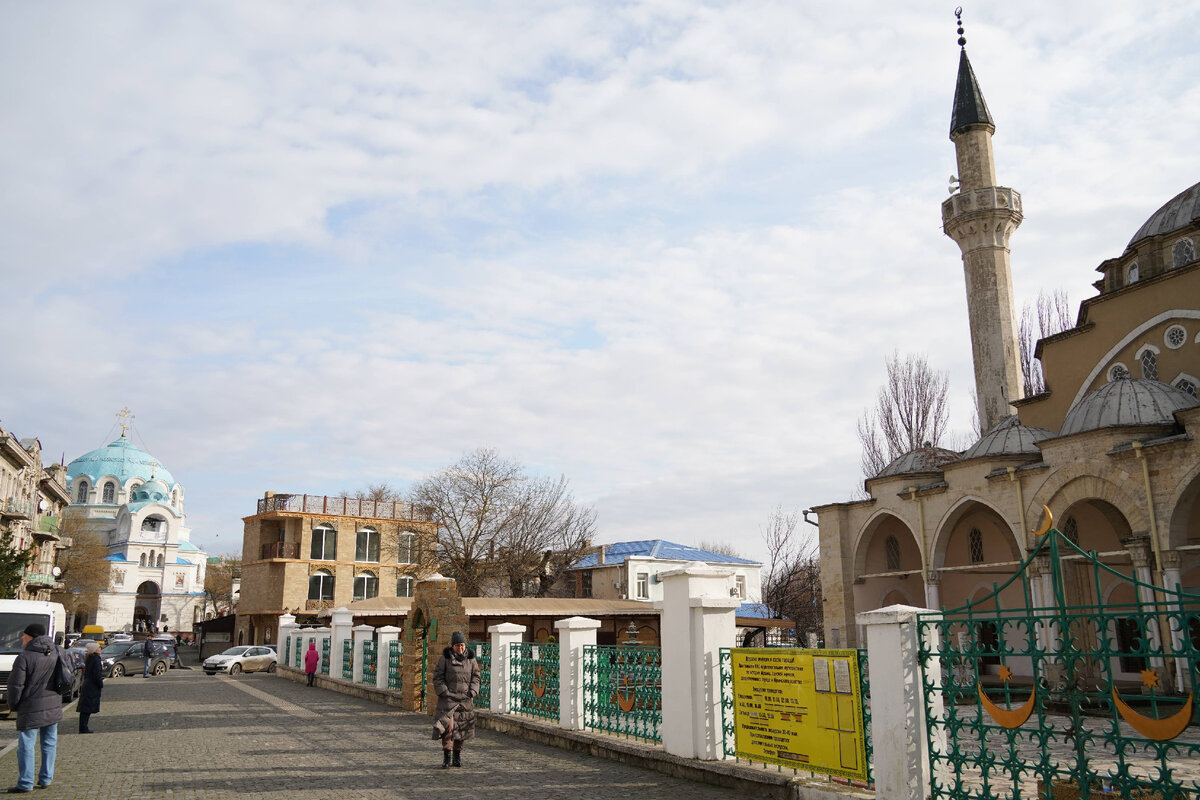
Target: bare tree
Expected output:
[218,583]
[910,412]
[498,526]
[791,585]
[1051,314]
[723,548]
[84,568]
[380,492]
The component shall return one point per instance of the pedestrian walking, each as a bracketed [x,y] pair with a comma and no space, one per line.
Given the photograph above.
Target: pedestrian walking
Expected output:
[38,705]
[311,659]
[456,683]
[93,683]
[151,651]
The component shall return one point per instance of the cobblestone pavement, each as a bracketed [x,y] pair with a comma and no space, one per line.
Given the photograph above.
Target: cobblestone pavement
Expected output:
[190,735]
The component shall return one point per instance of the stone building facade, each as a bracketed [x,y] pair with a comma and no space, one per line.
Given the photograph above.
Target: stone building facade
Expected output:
[1110,447]
[32,498]
[302,554]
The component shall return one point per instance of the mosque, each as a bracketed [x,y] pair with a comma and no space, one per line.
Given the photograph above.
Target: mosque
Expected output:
[1110,446]
[126,497]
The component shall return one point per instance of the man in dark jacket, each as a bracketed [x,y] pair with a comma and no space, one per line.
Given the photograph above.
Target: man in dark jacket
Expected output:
[38,706]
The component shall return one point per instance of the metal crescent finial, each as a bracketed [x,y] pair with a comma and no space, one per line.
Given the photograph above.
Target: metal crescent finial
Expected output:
[962,40]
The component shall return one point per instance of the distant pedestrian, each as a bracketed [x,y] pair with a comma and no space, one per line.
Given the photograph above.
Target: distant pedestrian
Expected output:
[311,659]
[38,706]
[456,683]
[151,651]
[93,683]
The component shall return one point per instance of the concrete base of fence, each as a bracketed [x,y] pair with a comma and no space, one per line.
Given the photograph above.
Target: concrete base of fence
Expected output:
[366,691]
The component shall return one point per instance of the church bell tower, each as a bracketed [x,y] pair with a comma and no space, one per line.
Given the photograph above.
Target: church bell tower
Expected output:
[981,216]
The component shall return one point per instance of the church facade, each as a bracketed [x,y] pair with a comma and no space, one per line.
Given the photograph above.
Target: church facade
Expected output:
[126,498]
[1109,447]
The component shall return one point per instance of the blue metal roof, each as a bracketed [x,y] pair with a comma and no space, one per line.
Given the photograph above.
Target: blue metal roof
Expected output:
[617,552]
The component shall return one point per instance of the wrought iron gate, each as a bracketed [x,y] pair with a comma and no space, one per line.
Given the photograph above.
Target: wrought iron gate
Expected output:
[1043,689]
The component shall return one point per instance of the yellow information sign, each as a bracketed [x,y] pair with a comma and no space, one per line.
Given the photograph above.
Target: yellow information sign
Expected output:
[800,709]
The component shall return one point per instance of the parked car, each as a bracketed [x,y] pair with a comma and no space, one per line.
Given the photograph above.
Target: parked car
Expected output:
[243,658]
[75,655]
[168,643]
[128,658]
[120,637]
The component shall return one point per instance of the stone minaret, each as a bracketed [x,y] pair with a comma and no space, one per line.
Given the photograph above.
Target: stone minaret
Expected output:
[981,217]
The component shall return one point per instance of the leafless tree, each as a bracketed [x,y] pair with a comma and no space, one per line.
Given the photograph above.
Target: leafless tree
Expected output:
[910,411]
[499,527]
[723,548]
[218,583]
[791,584]
[1051,314]
[85,570]
[380,492]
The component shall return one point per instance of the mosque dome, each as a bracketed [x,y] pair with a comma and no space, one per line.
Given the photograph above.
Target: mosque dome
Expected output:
[1008,438]
[922,459]
[120,459]
[1127,402]
[1180,211]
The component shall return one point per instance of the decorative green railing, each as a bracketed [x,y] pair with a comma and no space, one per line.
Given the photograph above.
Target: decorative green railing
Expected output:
[299,655]
[483,652]
[423,692]
[368,661]
[348,659]
[395,680]
[285,651]
[622,690]
[325,655]
[1043,689]
[864,681]
[533,676]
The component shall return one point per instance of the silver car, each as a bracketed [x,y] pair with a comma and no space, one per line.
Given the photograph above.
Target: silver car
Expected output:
[243,658]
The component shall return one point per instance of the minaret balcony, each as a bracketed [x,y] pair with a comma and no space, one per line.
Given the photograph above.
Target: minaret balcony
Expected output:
[976,201]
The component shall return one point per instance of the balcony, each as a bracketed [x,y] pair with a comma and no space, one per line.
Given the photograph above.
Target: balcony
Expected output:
[281,550]
[33,578]
[343,507]
[15,509]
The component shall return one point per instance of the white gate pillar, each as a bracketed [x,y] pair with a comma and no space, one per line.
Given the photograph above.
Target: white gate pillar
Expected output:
[899,738]
[573,634]
[340,623]
[383,646]
[362,633]
[503,635]
[287,628]
[697,620]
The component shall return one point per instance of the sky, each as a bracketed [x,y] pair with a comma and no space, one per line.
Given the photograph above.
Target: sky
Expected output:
[660,248]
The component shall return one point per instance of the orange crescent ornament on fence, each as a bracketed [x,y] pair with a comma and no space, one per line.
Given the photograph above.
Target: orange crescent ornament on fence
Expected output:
[1160,730]
[1049,520]
[1006,717]
[626,695]
[539,681]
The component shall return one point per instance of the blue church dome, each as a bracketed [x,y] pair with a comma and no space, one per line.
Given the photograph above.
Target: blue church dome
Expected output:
[122,460]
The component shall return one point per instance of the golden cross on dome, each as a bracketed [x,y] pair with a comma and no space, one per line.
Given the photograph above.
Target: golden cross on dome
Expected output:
[154,465]
[125,420]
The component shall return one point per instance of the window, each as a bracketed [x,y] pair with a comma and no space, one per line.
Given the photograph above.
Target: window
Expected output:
[1184,252]
[1175,337]
[82,493]
[405,554]
[404,586]
[110,492]
[643,586]
[1070,529]
[366,586]
[1188,386]
[366,545]
[160,561]
[1119,372]
[1132,274]
[975,546]
[740,582]
[320,585]
[324,544]
[1129,642]
[585,583]
[891,553]
[1149,365]
[142,560]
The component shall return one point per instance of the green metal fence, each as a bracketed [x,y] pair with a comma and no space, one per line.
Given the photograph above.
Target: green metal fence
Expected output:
[533,676]
[348,659]
[299,658]
[622,690]
[483,652]
[422,693]
[369,649]
[1052,687]
[325,655]
[395,680]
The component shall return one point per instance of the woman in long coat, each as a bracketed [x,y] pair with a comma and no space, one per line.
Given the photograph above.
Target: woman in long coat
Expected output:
[456,682]
[93,683]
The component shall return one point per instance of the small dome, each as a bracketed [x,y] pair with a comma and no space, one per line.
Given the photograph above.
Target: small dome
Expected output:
[1129,402]
[923,459]
[120,459]
[1008,438]
[1180,211]
[154,491]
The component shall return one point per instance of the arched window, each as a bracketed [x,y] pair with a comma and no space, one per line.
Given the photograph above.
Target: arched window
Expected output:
[142,560]
[891,553]
[324,543]
[1133,273]
[366,545]
[1119,372]
[366,586]
[1188,386]
[404,586]
[1184,252]
[82,493]
[1149,365]
[110,492]
[320,585]
[405,554]
[160,561]
[975,546]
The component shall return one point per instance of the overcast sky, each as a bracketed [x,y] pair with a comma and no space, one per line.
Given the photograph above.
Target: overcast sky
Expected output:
[661,248]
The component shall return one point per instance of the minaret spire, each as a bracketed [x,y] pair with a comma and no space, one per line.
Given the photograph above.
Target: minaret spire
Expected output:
[981,218]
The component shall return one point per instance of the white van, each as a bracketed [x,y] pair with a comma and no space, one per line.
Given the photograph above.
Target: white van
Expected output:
[14,616]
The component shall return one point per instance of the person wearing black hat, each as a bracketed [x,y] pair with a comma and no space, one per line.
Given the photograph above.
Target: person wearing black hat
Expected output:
[456,682]
[38,706]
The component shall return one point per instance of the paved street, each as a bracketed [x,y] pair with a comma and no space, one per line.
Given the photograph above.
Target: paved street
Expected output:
[189,735]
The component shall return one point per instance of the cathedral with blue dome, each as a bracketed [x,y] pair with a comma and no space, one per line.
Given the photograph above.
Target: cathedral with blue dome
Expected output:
[134,505]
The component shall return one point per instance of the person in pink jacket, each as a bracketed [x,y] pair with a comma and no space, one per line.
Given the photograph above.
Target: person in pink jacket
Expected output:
[311,659]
